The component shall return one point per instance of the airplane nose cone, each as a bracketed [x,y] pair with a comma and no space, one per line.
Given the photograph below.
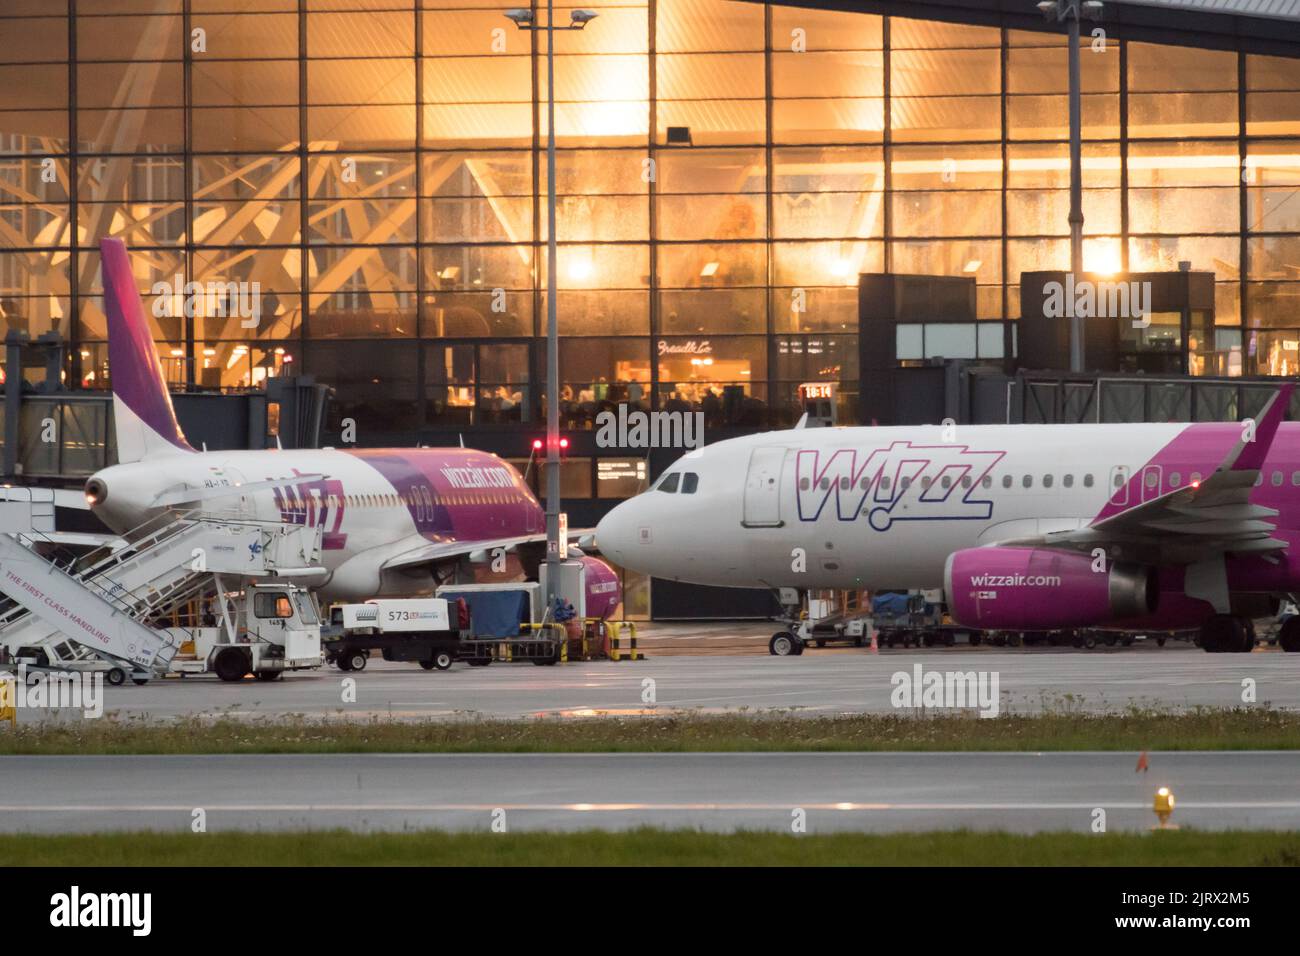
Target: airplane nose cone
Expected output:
[614,533]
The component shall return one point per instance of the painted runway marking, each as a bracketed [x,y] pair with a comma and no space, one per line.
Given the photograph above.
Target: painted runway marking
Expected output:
[844,806]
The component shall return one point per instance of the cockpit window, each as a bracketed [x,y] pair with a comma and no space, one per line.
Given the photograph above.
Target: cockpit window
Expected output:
[668,482]
[690,481]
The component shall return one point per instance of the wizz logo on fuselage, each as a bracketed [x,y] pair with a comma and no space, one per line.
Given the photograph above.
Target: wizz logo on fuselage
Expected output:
[933,482]
[318,503]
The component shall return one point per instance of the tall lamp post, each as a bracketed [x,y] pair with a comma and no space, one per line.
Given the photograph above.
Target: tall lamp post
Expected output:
[524,20]
[1071,11]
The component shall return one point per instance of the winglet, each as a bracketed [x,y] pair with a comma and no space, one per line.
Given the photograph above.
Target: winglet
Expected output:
[144,420]
[1251,454]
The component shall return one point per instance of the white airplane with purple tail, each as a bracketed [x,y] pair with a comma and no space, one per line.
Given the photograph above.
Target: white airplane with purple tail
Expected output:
[395,521]
[1025,527]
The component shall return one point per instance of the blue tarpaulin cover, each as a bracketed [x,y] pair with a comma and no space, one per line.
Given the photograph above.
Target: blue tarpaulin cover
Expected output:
[889,605]
[492,613]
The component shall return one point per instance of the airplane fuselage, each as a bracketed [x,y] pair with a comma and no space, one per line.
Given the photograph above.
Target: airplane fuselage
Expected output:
[885,507]
[370,504]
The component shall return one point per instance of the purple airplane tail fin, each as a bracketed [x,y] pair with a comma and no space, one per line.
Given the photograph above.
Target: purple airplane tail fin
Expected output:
[144,420]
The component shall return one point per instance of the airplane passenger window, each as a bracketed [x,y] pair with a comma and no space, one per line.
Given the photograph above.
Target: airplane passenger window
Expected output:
[1175,479]
[1295,479]
[1087,481]
[867,481]
[925,482]
[1006,481]
[669,482]
[1068,481]
[1277,479]
[804,484]
[946,481]
[824,484]
[1119,479]
[1027,481]
[906,483]
[965,481]
[986,482]
[884,482]
[690,481]
[1047,481]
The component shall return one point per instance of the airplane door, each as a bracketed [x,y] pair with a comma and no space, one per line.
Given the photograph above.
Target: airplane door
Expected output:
[763,488]
[243,506]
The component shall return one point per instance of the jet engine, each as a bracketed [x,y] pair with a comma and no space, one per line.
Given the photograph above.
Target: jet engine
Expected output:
[1044,589]
[604,592]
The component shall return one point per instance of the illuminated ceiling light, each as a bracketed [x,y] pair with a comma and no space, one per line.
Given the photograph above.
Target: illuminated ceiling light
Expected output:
[841,267]
[1102,257]
[580,270]
[972,266]
[710,269]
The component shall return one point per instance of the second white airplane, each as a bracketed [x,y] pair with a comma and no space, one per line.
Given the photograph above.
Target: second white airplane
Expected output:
[1025,527]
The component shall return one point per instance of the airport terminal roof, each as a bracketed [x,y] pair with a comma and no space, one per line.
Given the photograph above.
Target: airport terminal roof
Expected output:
[1260,26]
[1269,9]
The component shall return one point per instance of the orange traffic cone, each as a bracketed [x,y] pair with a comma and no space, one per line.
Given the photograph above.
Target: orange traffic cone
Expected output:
[1142,763]
[875,643]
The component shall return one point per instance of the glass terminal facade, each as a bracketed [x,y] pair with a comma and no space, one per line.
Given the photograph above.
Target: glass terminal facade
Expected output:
[372,172]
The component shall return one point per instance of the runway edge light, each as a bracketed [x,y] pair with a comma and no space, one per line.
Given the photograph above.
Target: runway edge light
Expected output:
[1163,805]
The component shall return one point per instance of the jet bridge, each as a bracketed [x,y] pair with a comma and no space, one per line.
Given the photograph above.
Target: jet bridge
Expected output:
[100,607]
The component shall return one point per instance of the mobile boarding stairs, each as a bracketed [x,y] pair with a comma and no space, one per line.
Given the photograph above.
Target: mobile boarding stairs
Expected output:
[99,612]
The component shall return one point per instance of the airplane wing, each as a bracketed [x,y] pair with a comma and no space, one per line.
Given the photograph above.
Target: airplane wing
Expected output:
[1195,526]
[434,552]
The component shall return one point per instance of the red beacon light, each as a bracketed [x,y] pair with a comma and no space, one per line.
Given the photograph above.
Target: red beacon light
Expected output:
[537,444]
[564,444]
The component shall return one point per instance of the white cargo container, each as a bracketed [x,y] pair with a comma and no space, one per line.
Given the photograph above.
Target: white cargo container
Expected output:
[397,616]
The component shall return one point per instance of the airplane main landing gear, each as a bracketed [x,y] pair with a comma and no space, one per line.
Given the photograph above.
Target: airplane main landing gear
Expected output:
[1224,634]
[1289,637]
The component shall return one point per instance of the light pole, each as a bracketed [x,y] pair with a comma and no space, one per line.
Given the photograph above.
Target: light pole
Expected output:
[524,20]
[1071,11]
